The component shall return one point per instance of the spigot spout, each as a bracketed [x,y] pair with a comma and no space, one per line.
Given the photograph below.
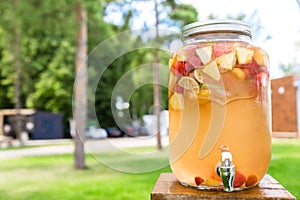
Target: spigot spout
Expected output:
[227,169]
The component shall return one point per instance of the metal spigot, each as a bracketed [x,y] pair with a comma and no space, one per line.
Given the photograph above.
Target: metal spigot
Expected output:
[227,169]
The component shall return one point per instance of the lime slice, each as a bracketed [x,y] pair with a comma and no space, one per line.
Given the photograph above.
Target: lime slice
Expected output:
[198,75]
[212,70]
[189,83]
[176,101]
[244,55]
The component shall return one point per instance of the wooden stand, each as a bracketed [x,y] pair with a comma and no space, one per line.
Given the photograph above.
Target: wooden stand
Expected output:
[168,188]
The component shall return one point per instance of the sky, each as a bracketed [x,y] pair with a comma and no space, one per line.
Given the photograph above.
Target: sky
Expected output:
[279,19]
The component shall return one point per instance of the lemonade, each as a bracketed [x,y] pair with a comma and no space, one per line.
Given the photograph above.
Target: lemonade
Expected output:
[219,99]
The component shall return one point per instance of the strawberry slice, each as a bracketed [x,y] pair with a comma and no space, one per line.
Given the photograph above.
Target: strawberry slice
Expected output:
[239,179]
[198,180]
[179,67]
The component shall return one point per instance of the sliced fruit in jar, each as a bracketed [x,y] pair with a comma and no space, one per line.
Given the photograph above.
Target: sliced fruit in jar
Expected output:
[178,89]
[176,101]
[204,92]
[251,180]
[239,179]
[212,182]
[260,57]
[204,54]
[244,55]
[222,48]
[262,79]
[212,70]
[198,180]
[193,62]
[172,79]
[189,83]
[179,67]
[172,60]
[198,75]
[226,61]
[239,73]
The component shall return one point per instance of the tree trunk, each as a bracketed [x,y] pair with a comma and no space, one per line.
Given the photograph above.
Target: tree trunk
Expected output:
[157,85]
[17,82]
[80,109]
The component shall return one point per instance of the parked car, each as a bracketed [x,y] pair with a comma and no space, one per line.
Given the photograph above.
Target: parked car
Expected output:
[114,132]
[130,131]
[134,131]
[96,133]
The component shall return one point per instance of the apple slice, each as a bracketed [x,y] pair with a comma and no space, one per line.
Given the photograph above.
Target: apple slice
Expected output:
[244,55]
[212,70]
[204,54]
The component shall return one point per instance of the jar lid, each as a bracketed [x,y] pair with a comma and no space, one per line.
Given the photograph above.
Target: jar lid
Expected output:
[215,26]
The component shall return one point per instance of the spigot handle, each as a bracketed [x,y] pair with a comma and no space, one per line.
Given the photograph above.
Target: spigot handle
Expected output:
[227,169]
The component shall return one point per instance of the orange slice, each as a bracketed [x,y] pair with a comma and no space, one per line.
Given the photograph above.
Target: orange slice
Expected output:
[189,83]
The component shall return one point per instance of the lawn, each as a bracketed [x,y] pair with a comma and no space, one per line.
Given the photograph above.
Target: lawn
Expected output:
[285,164]
[53,177]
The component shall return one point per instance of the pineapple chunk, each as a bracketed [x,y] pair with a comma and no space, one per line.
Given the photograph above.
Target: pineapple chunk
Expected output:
[171,62]
[239,73]
[212,70]
[172,79]
[176,101]
[204,54]
[261,58]
[212,182]
[204,93]
[244,55]
[226,61]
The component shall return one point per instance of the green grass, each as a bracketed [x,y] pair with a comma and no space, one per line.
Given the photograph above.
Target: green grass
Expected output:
[285,164]
[53,177]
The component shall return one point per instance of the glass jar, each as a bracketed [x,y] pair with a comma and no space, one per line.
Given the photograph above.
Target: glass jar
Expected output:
[219,107]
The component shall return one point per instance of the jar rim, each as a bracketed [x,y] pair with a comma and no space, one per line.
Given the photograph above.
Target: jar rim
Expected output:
[214,26]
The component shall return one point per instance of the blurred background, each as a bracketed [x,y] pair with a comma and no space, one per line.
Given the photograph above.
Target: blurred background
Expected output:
[42,43]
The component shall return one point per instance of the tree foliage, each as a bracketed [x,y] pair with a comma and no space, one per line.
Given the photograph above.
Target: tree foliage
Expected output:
[48,46]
